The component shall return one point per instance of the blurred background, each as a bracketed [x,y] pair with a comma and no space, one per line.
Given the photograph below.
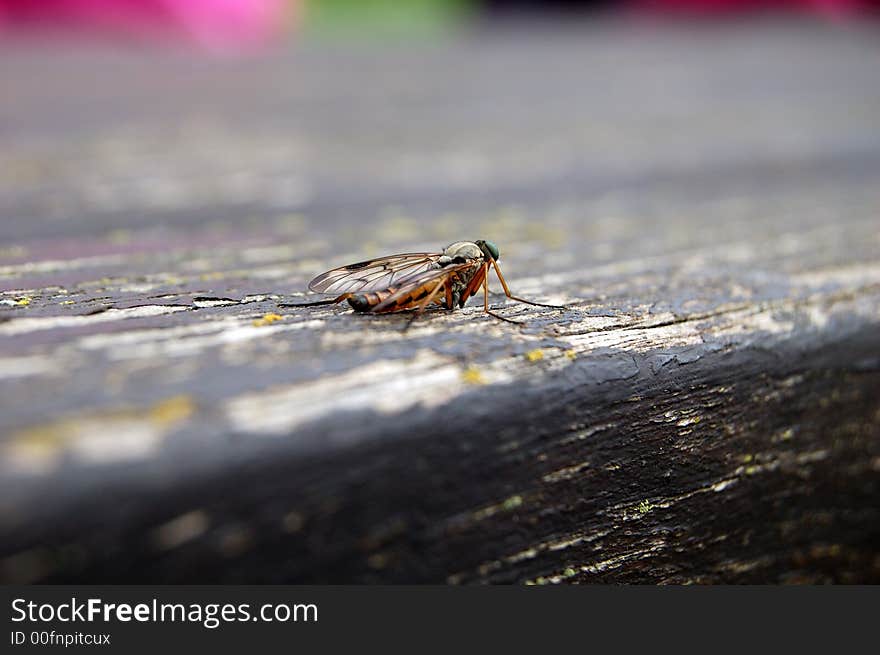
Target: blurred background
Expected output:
[172,170]
[235,25]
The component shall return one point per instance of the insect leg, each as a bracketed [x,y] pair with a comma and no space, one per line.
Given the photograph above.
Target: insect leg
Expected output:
[486,301]
[338,299]
[427,301]
[512,297]
[473,286]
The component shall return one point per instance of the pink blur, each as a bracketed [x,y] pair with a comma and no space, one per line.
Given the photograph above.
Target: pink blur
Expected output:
[218,25]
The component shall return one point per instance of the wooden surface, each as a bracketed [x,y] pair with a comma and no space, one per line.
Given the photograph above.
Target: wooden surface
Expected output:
[705,410]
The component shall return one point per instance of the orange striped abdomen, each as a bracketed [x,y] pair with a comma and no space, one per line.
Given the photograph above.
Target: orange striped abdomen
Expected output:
[364,302]
[369,302]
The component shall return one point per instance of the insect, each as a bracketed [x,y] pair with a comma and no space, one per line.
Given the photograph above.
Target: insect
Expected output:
[417,280]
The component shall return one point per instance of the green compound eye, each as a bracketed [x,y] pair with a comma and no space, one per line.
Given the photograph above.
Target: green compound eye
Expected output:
[492,248]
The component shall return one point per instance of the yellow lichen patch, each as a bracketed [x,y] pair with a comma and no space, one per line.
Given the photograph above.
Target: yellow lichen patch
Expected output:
[67,302]
[268,319]
[571,354]
[13,251]
[35,449]
[535,355]
[120,236]
[783,435]
[552,237]
[24,301]
[473,375]
[512,503]
[172,410]
[377,561]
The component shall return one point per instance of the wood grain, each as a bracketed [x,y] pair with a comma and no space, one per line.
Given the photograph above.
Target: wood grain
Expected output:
[704,410]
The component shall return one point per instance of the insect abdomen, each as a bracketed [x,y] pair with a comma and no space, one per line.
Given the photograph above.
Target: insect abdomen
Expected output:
[364,302]
[369,302]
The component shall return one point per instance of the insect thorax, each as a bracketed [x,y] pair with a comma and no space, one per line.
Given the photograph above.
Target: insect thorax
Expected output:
[460,252]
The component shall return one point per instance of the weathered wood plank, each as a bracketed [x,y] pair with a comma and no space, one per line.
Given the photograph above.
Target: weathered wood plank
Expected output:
[704,410]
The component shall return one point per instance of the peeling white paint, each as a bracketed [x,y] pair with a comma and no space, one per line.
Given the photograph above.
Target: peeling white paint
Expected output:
[115,440]
[214,303]
[135,337]
[194,345]
[387,387]
[85,440]
[638,340]
[25,325]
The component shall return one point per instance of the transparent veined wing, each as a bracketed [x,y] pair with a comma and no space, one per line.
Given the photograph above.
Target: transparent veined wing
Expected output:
[374,274]
[417,287]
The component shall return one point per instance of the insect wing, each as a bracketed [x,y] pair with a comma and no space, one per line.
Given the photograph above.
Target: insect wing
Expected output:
[374,274]
[417,286]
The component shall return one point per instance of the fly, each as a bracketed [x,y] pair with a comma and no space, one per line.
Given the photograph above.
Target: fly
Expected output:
[414,281]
